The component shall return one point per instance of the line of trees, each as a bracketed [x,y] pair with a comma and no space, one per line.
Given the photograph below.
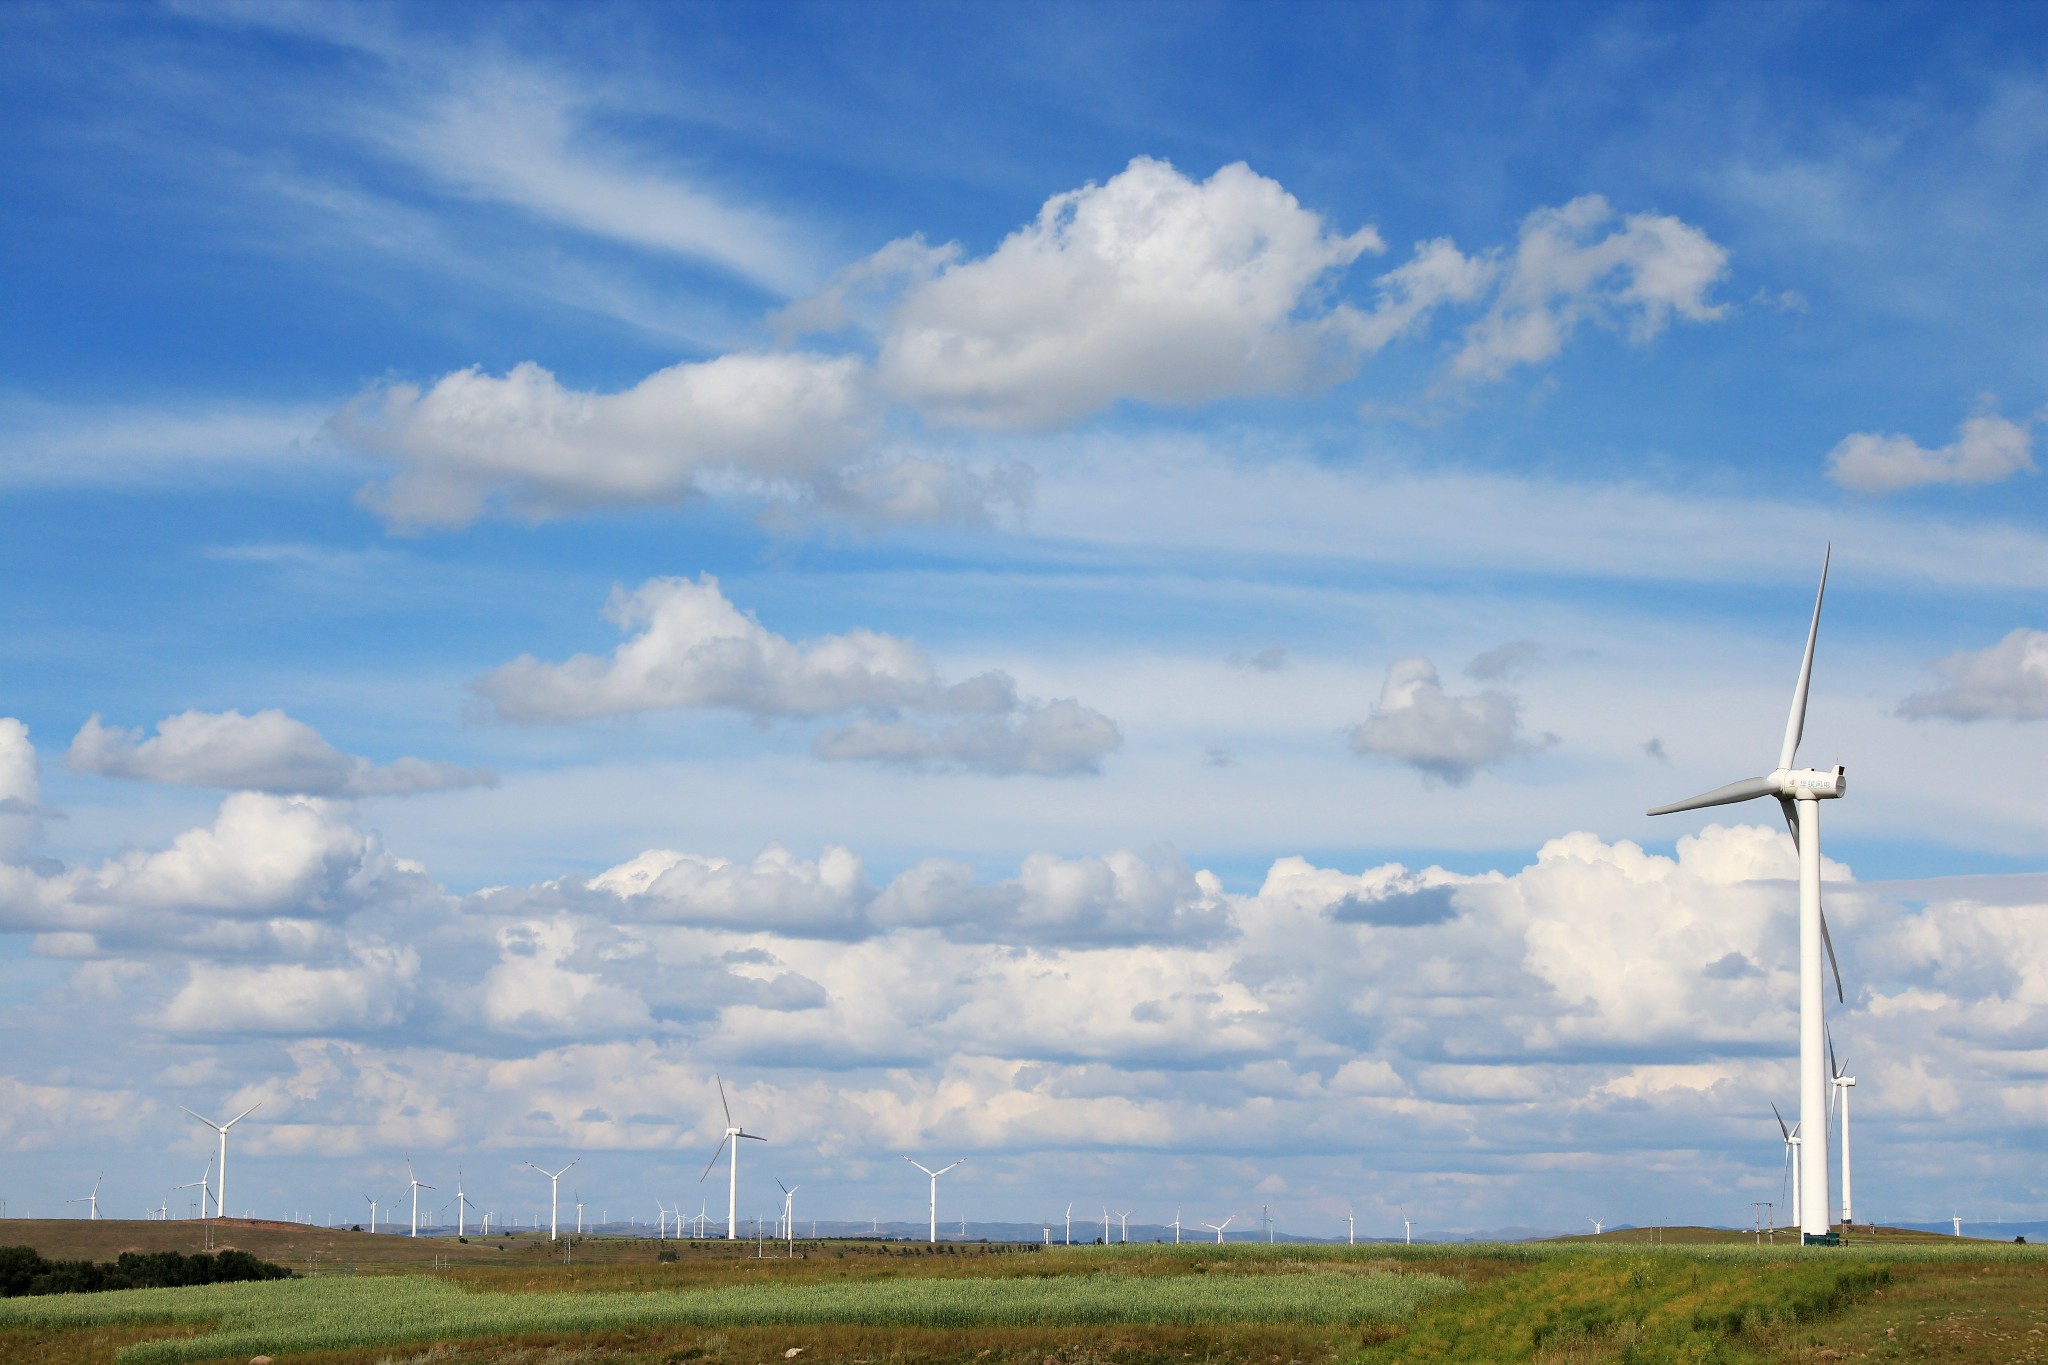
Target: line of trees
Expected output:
[24,1271]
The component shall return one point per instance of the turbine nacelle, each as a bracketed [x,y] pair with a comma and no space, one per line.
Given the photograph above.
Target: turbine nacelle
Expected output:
[1811,784]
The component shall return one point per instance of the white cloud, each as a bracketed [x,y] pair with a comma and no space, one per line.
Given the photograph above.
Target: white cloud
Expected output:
[20,790]
[266,877]
[371,992]
[694,649]
[1561,273]
[1119,898]
[1416,722]
[527,444]
[268,752]
[777,893]
[2008,681]
[1987,449]
[538,988]
[1150,286]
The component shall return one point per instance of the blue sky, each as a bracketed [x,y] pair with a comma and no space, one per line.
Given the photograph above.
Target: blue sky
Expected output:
[1101,591]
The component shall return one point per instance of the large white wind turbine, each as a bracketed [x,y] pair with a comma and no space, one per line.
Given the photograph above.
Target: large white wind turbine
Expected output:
[1799,793]
[417,1185]
[554,1194]
[1842,1084]
[1217,1228]
[733,1134]
[1792,1162]
[935,1196]
[220,1191]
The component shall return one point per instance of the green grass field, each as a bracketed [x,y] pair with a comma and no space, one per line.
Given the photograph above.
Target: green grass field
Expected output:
[1703,1298]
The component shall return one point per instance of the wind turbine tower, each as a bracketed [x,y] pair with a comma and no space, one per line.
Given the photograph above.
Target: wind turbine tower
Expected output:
[935,1196]
[733,1134]
[1843,1084]
[417,1185]
[220,1192]
[1799,793]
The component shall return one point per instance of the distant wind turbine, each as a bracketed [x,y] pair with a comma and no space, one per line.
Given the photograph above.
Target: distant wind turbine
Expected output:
[1842,1084]
[788,1209]
[373,1213]
[554,1194]
[1217,1228]
[935,1195]
[1123,1226]
[1176,1225]
[1799,793]
[733,1134]
[461,1206]
[204,1184]
[91,1201]
[1351,1229]
[1070,1225]
[579,1214]
[220,1193]
[1792,1163]
[417,1185]
[1598,1224]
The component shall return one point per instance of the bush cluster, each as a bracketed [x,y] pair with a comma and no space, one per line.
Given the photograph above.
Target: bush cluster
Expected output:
[23,1271]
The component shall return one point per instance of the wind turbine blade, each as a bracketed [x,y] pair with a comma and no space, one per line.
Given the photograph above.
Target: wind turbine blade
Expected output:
[1795,724]
[716,1153]
[1834,1071]
[202,1118]
[780,1186]
[244,1114]
[1786,804]
[721,1100]
[1748,789]
[1787,1132]
[1827,941]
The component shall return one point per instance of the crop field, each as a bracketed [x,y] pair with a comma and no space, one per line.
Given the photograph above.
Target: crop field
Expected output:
[1710,1299]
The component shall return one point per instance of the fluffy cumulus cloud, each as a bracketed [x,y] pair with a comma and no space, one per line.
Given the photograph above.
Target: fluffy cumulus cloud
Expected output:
[20,790]
[268,752]
[1987,449]
[691,648]
[2008,681]
[527,443]
[1571,265]
[1150,286]
[268,876]
[1449,738]
[369,992]
[1503,1027]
